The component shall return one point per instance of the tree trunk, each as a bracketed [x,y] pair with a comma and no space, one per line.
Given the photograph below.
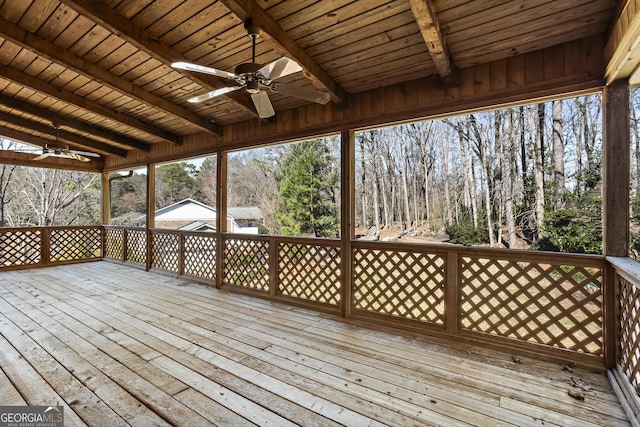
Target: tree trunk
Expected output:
[538,168]
[497,167]
[558,157]
[403,176]
[486,168]
[445,174]
[363,167]
[509,177]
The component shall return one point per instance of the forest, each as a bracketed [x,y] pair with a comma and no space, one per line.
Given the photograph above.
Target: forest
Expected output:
[522,177]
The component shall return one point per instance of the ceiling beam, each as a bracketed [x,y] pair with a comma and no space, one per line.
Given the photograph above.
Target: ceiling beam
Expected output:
[285,45]
[71,98]
[79,140]
[622,50]
[46,49]
[25,107]
[17,158]
[109,19]
[425,15]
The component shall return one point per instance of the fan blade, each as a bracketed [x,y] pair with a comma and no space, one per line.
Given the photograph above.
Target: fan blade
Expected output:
[75,156]
[202,69]
[279,68]
[213,94]
[42,156]
[263,105]
[302,93]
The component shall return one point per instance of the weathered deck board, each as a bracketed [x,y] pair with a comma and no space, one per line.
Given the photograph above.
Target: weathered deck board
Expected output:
[119,345]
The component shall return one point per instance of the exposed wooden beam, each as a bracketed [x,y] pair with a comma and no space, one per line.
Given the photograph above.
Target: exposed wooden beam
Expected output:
[26,107]
[46,49]
[285,45]
[433,36]
[80,141]
[109,19]
[71,98]
[622,51]
[9,157]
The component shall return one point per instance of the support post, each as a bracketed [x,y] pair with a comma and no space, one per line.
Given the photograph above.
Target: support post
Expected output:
[151,211]
[221,214]
[105,206]
[615,201]
[347,155]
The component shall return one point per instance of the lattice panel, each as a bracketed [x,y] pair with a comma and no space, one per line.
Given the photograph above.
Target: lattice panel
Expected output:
[137,246]
[309,271]
[200,256]
[404,284]
[551,304]
[246,263]
[113,246]
[75,244]
[20,247]
[630,332]
[165,251]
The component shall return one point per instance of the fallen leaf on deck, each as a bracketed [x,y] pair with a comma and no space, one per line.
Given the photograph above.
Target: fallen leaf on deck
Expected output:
[579,383]
[576,395]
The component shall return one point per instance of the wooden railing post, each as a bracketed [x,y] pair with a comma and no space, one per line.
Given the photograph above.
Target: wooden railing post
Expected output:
[125,244]
[181,254]
[273,266]
[452,310]
[45,245]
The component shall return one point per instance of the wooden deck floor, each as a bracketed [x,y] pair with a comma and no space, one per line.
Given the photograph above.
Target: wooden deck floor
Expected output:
[120,346]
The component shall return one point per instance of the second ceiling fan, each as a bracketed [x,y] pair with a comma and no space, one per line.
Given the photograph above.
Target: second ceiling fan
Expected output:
[256,78]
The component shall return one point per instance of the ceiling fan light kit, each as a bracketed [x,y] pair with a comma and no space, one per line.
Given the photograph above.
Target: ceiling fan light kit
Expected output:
[256,78]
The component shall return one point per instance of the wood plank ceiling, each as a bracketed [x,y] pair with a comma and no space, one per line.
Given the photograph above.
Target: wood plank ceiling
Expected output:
[101,69]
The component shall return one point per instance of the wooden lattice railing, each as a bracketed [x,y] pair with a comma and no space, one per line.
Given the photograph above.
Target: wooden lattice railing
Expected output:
[550,300]
[627,281]
[41,246]
[508,296]
[127,244]
[307,270]
[191,254]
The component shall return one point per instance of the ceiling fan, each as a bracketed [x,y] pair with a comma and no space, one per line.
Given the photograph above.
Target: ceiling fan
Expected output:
[255,78]
[59,149]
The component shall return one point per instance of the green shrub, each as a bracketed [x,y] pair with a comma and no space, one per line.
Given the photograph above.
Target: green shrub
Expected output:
[465,233]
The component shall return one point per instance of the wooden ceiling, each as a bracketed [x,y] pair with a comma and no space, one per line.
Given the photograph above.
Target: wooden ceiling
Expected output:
[101,69]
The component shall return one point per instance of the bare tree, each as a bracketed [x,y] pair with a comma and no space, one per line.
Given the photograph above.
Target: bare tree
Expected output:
[558,156]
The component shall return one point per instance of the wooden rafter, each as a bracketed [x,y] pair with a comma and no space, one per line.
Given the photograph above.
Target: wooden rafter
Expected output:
[71,98]
[622,50]
[109,19]
[429,25]
[76,139]
[286,46]
[48,50]
[43,113]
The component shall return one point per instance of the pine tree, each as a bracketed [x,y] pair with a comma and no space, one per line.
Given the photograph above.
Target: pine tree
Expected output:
[307,182]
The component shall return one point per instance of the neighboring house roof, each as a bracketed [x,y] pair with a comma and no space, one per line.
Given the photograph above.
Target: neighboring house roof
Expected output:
[245,212]
[198,226]
[186,209]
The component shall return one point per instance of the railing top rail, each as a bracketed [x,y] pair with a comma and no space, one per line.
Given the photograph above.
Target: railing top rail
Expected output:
[51,227]
[211,234]
[627,268]
[510,254]
[123,227]
[283,239]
